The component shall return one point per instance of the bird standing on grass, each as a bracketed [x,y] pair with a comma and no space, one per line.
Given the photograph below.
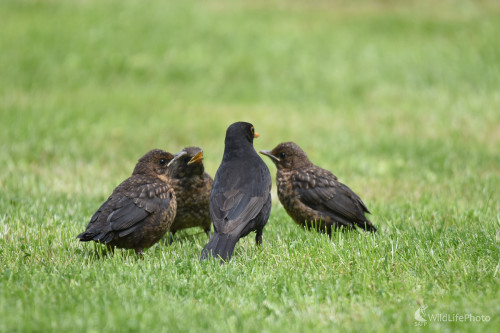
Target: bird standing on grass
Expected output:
[312,196]
[139,211]
[240,201]
[192,187]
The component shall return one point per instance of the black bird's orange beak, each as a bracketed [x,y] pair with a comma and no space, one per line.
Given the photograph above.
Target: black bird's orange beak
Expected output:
[198,158]
[256,135]
[268,154]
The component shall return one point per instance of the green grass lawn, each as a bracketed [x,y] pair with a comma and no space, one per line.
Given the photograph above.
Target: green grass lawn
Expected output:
[401,100]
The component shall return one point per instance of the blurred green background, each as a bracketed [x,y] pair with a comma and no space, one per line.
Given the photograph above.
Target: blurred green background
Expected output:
[399,99]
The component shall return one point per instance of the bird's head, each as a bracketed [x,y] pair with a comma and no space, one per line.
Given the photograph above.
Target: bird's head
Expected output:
[155,163]
[187,163]
[287,155]
[241,132]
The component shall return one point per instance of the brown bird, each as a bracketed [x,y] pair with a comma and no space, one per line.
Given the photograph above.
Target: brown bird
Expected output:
[192,187]
[139,211]
[312,196]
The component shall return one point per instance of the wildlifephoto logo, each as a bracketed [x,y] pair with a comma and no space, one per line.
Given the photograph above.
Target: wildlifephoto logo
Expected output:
[422,318]
[420,314]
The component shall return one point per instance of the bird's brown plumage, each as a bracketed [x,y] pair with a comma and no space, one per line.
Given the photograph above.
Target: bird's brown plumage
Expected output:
[192,187]
[312,196]
[139,211]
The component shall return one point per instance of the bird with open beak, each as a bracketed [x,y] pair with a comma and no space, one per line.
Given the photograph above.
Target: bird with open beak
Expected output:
[192,186]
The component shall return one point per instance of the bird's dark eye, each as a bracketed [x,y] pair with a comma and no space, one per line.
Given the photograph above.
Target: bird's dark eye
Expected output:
[163,161]
[282,155]
[252,130]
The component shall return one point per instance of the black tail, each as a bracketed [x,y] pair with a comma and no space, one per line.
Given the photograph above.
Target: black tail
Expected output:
[367,225]
[86,236]
[220,246]
[103,237]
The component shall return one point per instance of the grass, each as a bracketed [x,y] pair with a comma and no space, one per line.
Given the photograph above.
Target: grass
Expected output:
[400,100]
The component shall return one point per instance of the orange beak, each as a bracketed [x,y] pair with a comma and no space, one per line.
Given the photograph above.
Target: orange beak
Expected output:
[198,158]
[256,135]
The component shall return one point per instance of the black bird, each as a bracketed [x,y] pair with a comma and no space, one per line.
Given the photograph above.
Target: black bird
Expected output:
[139,211]
[240,201]
[192,186]
[312,196]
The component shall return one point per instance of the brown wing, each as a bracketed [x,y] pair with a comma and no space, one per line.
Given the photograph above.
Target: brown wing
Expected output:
[129,204]
[136,204]
[320,189]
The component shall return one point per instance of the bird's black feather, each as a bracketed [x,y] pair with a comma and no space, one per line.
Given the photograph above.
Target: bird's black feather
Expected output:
[240,194]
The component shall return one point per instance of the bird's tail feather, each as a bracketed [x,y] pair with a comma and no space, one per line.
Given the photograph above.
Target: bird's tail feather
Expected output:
[86,236]
[103,237]
[367,225]
[220,246]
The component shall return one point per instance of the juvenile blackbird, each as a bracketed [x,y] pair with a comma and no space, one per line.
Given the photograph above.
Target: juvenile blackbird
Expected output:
[192,187]
[240,201]
[312,196]
[139,211]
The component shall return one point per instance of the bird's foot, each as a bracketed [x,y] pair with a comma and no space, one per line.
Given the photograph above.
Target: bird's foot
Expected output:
[258,238]
[170,238]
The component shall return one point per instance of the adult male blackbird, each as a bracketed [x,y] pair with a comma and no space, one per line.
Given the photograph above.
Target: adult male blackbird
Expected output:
[139,211]
[312,196]
[192,186]
[240,201]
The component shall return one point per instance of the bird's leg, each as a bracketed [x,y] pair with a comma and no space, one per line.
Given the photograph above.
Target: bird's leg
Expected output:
[139,252]
[258,236]
[207,231]
[110,249]
[170,238]
[329,231]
